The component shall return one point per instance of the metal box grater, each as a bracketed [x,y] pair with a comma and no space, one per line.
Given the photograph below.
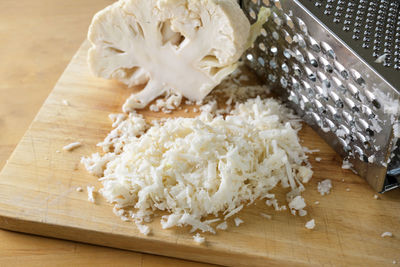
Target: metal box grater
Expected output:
[337,63]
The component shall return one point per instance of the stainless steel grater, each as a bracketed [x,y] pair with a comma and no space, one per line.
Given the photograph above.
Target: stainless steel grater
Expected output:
[337,63]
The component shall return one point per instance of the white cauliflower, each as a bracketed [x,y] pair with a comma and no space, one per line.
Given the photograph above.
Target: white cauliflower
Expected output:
[181,46]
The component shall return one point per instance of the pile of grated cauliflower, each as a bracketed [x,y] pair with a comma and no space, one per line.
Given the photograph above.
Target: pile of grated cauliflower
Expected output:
[213,164]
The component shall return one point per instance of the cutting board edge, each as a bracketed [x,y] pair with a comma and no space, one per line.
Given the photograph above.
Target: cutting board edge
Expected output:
[181,251]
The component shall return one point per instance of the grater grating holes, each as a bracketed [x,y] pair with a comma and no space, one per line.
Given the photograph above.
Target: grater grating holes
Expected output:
[341,70]
[331,125]
[375,24]
[324,88]
[298,56]
[311,58]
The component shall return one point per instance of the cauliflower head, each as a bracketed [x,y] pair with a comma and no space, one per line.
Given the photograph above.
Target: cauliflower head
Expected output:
[180,46]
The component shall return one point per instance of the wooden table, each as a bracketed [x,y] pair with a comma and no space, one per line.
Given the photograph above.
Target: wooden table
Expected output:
[38,39]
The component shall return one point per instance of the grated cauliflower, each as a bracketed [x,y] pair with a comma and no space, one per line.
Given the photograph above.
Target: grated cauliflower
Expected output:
[208,165]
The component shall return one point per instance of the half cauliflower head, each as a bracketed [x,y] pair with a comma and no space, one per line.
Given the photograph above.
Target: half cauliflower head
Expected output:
[181,46]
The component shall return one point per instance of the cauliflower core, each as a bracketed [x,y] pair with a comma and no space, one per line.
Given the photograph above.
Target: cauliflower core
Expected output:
[181,46]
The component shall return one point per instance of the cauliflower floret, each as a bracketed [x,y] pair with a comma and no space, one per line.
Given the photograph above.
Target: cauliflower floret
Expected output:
[179,46]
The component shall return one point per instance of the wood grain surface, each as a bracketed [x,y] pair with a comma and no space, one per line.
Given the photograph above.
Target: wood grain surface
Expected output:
[38,39]
[37,195]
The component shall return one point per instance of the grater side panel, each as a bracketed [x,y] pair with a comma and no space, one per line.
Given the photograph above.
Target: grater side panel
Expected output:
[334,90]
[370,28]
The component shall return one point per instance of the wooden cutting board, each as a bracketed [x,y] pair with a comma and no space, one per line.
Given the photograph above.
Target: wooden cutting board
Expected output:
[38,195]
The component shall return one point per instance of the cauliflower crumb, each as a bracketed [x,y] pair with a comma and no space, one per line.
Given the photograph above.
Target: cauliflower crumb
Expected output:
[154,108]
[166,111]
[199,239]
[233,212]
[316,202]
[238,221]
[381,59]
[318,159]
[72,146]
[79,189]
[348,189]
[298,204]
[386,234]
[118,212]
[302,213]
[125,219]
[144,229]
[305,174]
[275,204]
[376,196]
[396,130]
[371,159]
[266,216]
[324,187]
[96,163]
[66,103]
[90,191]
[310,224]
[346,165]
[171,101]
[222,226]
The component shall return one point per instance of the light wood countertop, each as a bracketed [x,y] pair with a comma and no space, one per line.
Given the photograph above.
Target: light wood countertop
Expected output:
[38,39]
